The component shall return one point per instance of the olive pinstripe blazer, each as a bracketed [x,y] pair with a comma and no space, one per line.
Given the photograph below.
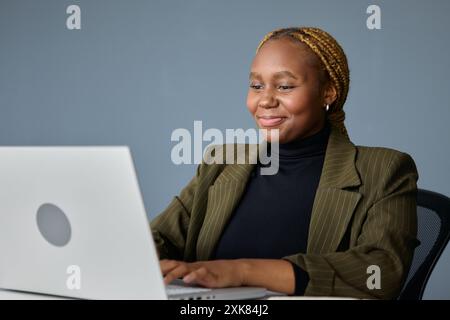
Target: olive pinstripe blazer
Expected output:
[364,213]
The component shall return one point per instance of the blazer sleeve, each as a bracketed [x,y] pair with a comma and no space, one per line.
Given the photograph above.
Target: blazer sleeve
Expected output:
[169,228]
[387,239]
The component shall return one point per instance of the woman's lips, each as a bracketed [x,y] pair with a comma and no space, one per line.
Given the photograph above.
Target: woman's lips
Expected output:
[271,121]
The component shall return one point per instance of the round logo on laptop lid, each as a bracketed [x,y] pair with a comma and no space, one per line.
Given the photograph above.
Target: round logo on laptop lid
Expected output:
[53,224]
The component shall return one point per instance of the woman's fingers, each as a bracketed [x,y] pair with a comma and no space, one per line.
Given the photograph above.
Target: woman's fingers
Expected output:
[208,274]
[201,276]
[168,265]
[180,271]
[195,275]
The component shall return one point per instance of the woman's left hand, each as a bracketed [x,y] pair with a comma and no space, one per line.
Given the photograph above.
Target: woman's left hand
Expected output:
[210,274]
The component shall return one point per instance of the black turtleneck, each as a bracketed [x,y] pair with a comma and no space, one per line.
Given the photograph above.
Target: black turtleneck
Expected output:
[273,215]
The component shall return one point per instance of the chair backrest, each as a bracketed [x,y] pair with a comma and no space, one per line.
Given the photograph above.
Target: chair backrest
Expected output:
[433,214]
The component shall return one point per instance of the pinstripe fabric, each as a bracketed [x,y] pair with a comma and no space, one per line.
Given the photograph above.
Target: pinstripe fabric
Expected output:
[364,213]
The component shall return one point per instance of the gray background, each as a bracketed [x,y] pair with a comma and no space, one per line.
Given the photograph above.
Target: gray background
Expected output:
[137,70]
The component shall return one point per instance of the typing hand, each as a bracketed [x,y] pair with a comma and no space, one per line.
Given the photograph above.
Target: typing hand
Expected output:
[210,274]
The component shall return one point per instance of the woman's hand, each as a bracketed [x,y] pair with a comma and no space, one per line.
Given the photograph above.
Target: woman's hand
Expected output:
[272,274]
[211,274]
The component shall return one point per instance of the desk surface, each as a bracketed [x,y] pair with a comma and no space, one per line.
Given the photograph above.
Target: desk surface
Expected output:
[18,295]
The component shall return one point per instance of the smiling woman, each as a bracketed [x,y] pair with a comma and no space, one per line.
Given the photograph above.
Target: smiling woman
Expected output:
[287,89]
[332,212]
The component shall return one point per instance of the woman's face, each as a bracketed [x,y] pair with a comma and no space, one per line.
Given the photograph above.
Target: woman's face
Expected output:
[285,90]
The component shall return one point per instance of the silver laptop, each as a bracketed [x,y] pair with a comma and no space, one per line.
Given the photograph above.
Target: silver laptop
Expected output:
[73,224]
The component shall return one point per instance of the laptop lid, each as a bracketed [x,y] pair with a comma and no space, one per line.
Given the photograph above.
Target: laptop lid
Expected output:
[73,223]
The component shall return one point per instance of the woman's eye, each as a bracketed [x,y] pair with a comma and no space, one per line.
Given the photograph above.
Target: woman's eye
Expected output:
[256,86]
[285,87]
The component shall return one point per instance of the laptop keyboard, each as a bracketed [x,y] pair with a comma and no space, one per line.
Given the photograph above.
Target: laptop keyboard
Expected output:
[173,289]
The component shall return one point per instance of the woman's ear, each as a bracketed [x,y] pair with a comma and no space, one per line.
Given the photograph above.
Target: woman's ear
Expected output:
[330,93]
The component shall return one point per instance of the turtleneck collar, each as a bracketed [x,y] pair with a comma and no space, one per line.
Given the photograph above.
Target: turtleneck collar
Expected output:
[310,146]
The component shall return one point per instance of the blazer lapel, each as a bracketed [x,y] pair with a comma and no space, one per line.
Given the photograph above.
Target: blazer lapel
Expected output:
[223,196]
[333,206]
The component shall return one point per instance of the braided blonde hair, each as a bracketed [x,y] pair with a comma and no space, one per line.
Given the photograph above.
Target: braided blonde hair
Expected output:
[333,59]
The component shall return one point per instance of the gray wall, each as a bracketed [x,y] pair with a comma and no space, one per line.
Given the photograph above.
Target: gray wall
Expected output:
[139,69]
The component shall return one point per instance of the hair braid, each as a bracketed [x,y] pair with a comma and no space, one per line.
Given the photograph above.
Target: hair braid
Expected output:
[334,61]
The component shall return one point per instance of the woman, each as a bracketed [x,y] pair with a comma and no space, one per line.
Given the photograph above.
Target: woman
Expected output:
[332,214]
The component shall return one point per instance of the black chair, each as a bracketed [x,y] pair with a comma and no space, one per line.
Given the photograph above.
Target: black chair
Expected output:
[433,213]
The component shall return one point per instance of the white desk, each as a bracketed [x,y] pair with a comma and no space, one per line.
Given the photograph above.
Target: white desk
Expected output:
[18,295]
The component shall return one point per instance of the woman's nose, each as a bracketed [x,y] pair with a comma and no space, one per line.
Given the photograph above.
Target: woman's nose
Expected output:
[267,101]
